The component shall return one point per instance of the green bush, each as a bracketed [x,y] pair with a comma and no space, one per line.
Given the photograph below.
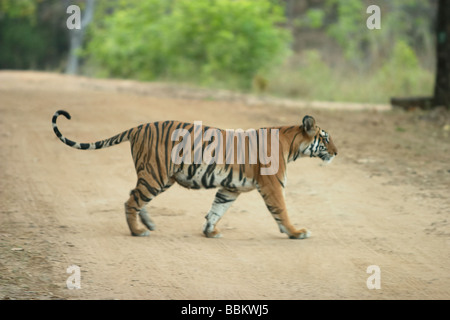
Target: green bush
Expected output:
[33,34]
[402,74]
[212,42]
[308,77]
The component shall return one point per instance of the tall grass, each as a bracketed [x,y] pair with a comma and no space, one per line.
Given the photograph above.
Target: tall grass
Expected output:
[307,76]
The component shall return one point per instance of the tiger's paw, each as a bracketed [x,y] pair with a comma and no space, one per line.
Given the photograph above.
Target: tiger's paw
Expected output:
[214,233]
[143,233]
[211,231]
[300,234]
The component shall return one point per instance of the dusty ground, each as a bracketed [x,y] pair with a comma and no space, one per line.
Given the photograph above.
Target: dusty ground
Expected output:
[383,201]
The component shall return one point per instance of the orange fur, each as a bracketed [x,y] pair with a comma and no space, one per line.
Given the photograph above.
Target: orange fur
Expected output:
[151,149]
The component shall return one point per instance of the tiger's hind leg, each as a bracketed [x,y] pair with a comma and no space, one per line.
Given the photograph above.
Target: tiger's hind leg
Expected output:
[222,201]
[135,206]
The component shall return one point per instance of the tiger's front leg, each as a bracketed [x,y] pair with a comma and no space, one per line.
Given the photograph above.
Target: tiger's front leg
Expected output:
[273,195]
[222,201]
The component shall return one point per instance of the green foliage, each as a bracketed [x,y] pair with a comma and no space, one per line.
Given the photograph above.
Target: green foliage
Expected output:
[363,65]
[301,76]
[344,21]
[17,9]
[210,42]
[402,72]
[17,33]
[229,43]
[314,19]
[351,19]
[308,77]
[29,36]
[23,38]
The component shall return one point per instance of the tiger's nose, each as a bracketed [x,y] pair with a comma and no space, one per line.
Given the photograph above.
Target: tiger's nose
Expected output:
[335,153]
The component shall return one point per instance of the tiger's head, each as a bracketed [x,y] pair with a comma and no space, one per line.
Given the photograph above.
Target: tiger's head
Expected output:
[318,142]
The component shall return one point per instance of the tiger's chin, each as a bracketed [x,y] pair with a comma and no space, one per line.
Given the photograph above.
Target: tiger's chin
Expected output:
[326,160]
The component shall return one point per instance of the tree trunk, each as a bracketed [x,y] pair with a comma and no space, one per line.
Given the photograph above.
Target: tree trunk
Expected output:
[442,83]
[77,36]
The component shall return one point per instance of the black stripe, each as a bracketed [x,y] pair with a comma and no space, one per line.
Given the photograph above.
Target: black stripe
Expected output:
[241,171]
[166,146]
[209,184]
[58,134]
[150,189]
[210,168]
[205,181]
[99,144]
[221,198]
[226,182]
[292,142]
[274,210]
[137,150]
[64,113]
[122,136]
[296,155]
[142,196]
[129,133]
[281,182]
[151,170]
[158,160]
[191,170]
[172,144]
[311,147]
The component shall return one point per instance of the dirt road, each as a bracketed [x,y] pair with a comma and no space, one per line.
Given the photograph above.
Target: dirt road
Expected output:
[384,201]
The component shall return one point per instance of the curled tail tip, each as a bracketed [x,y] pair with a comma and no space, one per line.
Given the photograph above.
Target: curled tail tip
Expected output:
[55,127]
[64,113]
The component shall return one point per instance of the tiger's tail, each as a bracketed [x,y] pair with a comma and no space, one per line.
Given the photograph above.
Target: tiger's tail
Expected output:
[121,137]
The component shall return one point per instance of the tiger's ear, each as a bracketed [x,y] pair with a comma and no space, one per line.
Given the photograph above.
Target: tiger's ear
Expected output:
[309,125]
